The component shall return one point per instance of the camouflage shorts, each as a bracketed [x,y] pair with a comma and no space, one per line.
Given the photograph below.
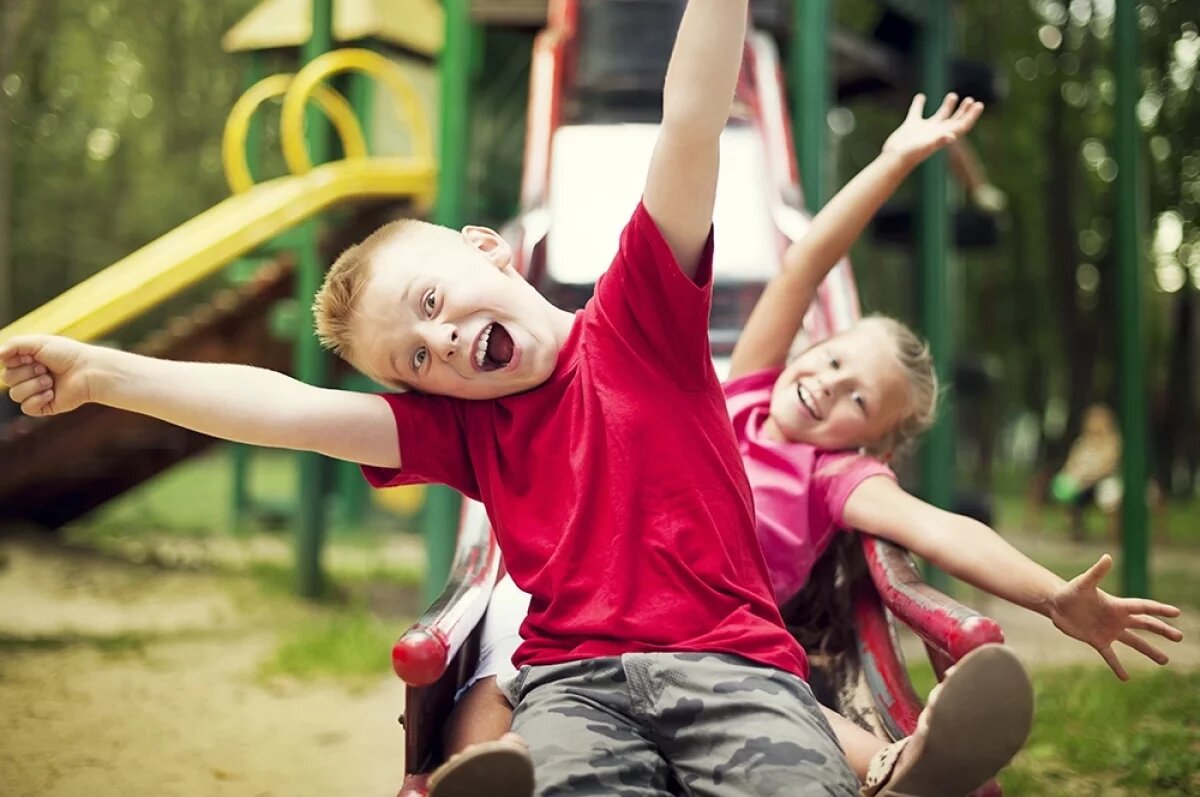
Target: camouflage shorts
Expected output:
[655,724]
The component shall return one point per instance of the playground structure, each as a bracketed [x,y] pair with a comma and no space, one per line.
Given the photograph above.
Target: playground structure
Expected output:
[586,99]
[276,220]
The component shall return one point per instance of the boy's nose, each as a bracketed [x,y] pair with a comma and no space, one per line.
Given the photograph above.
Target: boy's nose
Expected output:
[446,341]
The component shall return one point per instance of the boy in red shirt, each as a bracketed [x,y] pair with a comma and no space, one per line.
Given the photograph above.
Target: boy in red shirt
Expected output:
[654,656]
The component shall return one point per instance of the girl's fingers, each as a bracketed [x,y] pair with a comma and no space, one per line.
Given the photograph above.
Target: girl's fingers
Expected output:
[1144,622]
[947,107]
[1142,646]
[1146,606]
[1110,657]
[916,110]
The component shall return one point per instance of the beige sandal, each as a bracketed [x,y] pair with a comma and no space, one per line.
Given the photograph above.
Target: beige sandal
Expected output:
[976,721]
[501,768]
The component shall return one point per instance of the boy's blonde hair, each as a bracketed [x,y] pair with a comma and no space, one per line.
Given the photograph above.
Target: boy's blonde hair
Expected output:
[916,359]
[335,304]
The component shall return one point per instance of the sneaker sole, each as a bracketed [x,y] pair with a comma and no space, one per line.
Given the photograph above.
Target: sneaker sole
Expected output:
[496,769]
[980,720]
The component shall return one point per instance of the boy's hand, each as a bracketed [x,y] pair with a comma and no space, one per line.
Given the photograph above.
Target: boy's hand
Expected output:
[918,138]
[44,374]
[1084,611]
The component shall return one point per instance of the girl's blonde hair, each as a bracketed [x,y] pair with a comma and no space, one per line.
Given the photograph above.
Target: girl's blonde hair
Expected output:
[917,361]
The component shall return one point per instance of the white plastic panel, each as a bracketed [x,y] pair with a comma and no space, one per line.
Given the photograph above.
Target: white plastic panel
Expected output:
[597,176]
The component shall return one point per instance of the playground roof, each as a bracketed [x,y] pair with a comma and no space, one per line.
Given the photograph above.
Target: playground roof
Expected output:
[415,25]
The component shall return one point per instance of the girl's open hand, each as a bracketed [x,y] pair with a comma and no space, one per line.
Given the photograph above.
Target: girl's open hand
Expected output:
[1083,610]
[918,138]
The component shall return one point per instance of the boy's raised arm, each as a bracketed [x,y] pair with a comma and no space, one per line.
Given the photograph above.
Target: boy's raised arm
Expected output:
[681,186]
[779,313]
[49,375]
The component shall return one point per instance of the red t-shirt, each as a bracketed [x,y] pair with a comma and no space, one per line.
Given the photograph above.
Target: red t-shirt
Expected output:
[615,488]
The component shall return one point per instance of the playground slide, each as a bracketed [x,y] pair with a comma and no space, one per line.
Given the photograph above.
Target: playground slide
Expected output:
[57,469]
[201,246]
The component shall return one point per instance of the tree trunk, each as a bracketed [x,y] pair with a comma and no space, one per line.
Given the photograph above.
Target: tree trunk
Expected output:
[1062,235]
[1178,406]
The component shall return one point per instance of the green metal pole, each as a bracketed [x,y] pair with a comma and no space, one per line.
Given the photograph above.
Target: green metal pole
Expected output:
[362,96]
[454,70]
[1130,337]
[933,244]
[353,492]
[310,362]
[316,128]
[442,505]
[810,95]
[239,455]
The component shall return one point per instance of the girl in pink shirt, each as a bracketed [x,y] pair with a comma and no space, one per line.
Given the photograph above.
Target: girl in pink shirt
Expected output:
[815,435]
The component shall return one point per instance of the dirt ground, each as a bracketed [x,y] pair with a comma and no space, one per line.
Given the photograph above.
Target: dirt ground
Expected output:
[185,711]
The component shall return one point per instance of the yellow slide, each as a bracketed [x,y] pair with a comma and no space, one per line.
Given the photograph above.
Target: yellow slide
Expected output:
[255,213]
[202,245]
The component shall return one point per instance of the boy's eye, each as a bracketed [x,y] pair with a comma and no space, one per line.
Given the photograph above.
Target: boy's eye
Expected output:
[859,400]
[430,303]
[834,362]
[419,358]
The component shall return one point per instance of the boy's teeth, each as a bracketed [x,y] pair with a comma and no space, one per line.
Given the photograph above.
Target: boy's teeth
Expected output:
[481,352]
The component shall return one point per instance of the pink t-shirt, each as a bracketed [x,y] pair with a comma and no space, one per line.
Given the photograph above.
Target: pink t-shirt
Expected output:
[799,491]
[615,488]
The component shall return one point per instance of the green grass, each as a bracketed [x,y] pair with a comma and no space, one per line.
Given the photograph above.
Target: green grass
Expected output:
[349,646]
[195,499]
[1094,735]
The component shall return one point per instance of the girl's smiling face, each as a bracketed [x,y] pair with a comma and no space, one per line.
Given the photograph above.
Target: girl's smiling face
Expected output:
[844,393]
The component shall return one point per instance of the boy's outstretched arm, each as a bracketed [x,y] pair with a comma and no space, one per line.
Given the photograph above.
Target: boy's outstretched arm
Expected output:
[51,375]
[971,551]
[681,186]
[779,313]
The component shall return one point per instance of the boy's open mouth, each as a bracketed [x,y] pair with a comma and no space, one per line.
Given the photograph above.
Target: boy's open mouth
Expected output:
[806,398]
[494,348]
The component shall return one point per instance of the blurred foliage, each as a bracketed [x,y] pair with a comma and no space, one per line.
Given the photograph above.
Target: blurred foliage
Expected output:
[1039,309]
[115,109]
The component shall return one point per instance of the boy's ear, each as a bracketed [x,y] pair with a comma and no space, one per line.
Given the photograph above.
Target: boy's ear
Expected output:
[490,244]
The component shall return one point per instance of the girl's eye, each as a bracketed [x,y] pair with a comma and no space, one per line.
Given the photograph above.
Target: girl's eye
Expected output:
[835,363]
[859,400]
[430,303]
[419,358]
